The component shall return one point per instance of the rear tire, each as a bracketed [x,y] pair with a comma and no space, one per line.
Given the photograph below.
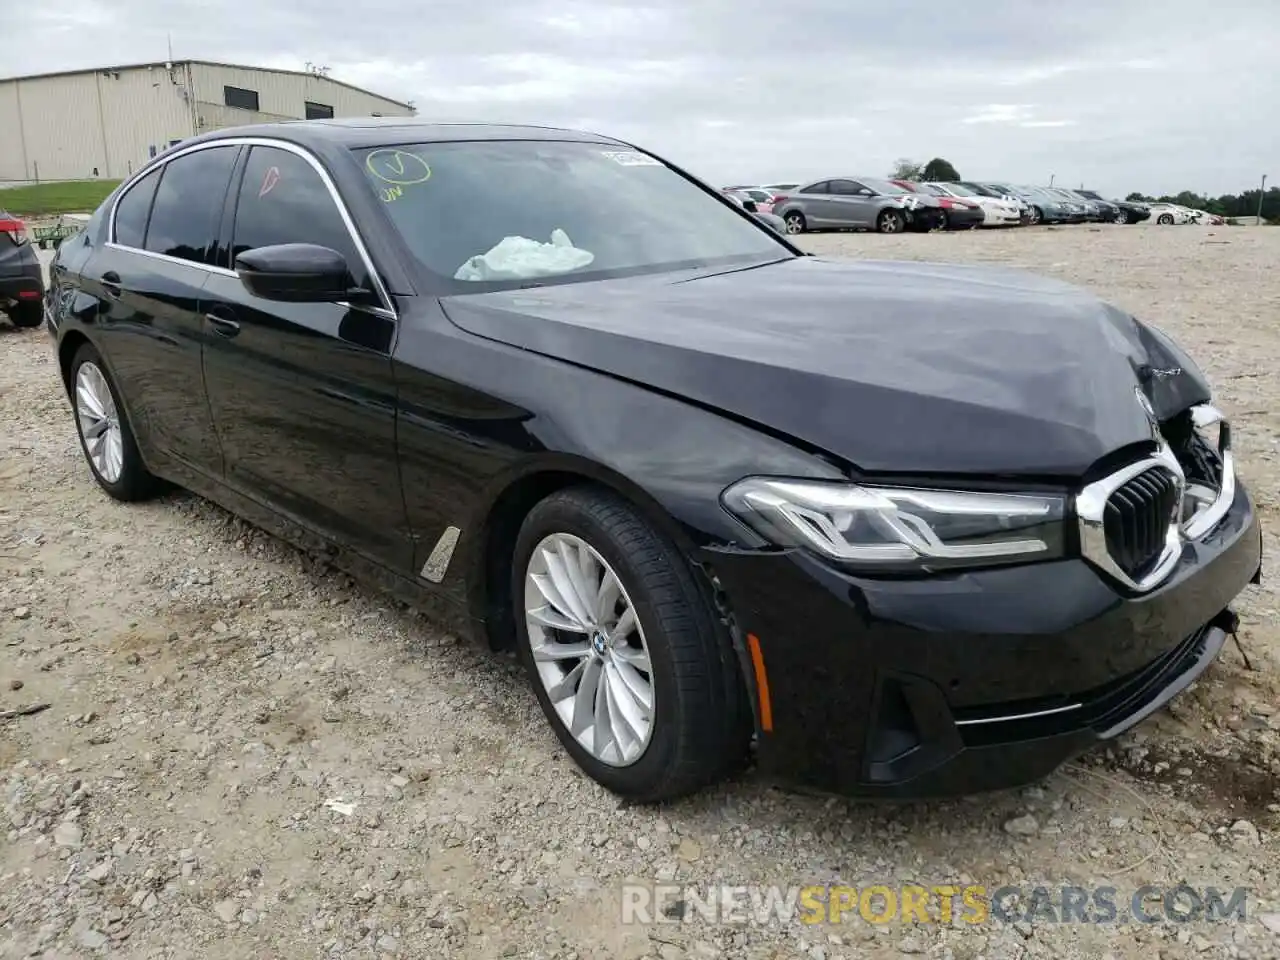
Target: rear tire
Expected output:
[1037,216]
[26,315]
[1165,219]
[105,436]
[698,727]
[1122,216]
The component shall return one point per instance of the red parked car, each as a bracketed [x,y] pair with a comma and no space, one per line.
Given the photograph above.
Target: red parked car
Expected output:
[959,214]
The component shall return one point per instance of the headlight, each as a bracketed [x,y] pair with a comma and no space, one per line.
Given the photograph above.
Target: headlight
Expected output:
[897,527]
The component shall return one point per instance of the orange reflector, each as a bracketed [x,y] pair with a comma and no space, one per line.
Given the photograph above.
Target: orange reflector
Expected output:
[762,683]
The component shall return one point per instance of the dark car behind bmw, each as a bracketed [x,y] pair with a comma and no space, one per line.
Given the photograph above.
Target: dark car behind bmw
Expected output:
[1127,211]
[21,279]
[903,529]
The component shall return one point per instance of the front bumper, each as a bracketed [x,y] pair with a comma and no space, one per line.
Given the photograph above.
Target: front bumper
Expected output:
[925,218]
[962,218]
[977,681]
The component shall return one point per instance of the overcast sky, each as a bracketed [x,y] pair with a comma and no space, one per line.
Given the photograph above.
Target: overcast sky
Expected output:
[1120,95]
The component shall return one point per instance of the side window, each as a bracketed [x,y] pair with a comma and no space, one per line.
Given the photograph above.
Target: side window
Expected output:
[816,188]
[184,219]
[846,188]
[132,211]
[283,200]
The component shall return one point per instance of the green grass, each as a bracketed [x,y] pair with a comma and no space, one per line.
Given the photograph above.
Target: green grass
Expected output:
[50,199]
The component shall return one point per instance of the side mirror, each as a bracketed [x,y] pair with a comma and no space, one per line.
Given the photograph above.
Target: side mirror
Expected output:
[295,273]
[749,206]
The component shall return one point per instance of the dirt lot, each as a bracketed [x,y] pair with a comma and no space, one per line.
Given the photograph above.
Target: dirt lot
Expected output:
[212,689]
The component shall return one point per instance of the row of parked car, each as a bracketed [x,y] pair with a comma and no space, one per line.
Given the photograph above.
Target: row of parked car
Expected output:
[892,206]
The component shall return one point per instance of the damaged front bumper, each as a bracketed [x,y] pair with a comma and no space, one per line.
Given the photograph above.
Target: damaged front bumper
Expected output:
[973,681]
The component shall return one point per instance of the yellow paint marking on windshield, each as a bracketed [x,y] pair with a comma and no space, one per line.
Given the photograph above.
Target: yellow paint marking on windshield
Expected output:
[398,167]
[391,194]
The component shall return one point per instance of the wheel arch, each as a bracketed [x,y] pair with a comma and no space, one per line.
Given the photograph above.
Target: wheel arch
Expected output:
[491,552]
[68,347]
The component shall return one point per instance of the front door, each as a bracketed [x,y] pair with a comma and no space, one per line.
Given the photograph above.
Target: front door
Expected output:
[303,394]
[851,203]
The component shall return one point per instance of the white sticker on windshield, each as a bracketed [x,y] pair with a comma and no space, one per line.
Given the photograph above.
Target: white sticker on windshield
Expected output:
[630,158]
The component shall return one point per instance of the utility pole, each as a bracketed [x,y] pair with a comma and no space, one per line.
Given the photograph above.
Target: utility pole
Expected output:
[1262,192]
[1051,176]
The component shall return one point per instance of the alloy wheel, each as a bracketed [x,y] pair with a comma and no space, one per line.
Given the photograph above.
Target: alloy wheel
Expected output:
[1122,216]
[99,422]
[795,223]
[589,649]
[891,222]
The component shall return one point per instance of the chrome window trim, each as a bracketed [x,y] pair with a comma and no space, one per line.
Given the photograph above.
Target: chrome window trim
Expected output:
[222,271]
[388,306]
[1091,503]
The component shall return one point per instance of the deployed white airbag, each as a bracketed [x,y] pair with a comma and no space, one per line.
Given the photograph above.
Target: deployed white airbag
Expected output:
[519,258]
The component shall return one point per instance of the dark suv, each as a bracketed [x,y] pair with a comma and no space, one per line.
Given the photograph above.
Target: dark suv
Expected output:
[21,280]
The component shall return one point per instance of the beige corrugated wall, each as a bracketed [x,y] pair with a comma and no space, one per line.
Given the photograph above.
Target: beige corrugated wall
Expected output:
[64,127]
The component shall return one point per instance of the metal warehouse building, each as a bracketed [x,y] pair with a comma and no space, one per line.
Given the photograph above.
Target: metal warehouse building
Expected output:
[107,122]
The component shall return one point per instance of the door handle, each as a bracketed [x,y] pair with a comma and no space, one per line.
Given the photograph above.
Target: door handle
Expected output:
[222,326]
[111,285]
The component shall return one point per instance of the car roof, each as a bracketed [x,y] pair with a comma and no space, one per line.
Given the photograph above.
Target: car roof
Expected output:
[373,131]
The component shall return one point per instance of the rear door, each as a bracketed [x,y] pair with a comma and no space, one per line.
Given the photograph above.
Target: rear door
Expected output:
[302,393]
[147,281]
[815,204]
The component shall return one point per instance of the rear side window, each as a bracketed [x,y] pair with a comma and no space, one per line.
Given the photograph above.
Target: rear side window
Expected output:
[821,187]
[184,218]
[132,211]
[283,200]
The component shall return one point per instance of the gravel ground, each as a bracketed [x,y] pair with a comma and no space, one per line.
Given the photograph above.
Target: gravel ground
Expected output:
[247,755]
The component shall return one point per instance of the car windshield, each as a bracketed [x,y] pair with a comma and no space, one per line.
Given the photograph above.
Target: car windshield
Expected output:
[886,187]
[487,215]
[960,190]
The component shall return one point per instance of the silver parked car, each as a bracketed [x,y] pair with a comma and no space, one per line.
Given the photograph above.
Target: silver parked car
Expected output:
[867,203]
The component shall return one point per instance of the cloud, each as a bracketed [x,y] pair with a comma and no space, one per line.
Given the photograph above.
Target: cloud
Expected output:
[1096,91]
[1000,113]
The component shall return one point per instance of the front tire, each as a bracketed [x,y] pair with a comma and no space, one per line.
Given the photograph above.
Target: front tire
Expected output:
[105,436]
[622,650]
[1165,219]
[891,221]
[795,222]
[1037,216]
[26,314]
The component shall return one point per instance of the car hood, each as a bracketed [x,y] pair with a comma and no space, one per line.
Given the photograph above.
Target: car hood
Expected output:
[893,367]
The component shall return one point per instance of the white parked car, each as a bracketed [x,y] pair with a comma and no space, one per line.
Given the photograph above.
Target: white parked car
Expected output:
[1204,218]
[997,211]
[1166,214]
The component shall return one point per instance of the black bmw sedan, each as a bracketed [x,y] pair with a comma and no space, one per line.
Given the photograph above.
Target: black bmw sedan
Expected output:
[888,528]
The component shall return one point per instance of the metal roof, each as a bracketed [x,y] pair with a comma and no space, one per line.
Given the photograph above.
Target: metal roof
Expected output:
[166,64]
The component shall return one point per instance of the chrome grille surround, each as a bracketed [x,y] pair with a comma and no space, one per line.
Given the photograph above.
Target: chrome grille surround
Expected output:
[1091,506]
